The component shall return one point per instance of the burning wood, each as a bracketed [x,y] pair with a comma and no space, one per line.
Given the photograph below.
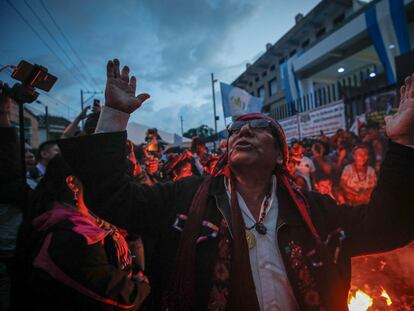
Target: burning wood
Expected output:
[360,302]
[386,279]
[386,296]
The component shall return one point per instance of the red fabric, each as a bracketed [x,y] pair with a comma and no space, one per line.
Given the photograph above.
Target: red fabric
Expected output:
[82,225]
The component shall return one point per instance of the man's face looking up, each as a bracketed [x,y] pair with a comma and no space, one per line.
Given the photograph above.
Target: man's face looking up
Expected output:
[252,146]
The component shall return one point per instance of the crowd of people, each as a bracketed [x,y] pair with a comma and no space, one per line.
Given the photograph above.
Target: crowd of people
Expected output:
[102,223]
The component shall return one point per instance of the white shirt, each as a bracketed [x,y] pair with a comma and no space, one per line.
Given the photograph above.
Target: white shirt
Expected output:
[273,290]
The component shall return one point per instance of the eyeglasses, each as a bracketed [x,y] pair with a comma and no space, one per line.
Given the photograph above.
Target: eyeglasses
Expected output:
[236,126]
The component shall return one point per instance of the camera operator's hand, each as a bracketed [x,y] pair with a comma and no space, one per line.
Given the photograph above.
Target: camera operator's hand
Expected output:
[120,89]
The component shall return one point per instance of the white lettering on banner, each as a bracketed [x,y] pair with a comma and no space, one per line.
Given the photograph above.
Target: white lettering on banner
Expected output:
[328,118]
[290,127]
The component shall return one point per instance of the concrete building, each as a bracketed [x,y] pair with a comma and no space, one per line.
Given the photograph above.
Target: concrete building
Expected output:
[31,125]
[341,50]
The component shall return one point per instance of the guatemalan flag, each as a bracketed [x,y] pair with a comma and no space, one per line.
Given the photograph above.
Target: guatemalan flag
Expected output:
[388,29]
[237,101]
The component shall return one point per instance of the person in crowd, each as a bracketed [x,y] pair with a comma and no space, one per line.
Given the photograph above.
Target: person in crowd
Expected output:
[339,157]
[200,153]
[245,238]
[180,166]
[223,146]
[304,166]
[46,151]
[73,128]
[30,161]
[358,179]
[153,144]
[77,260]
[324,185]
[12,197]
[375,144]
[136,171]
[320,159]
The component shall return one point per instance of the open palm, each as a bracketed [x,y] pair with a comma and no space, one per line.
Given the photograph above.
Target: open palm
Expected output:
[120,89]
[400,126]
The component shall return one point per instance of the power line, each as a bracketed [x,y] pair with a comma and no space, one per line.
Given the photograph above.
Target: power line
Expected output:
[43,41]
[55,40]
[68,42]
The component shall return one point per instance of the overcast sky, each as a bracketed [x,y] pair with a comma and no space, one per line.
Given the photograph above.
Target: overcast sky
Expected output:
[172,46]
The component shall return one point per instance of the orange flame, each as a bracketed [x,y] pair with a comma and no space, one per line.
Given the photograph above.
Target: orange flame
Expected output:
[386,296]
[360,301]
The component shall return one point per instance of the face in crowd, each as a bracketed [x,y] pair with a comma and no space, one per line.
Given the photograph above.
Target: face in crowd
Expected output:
[253,146]
[360,156]
[297,150]
[48,152]
[324,186]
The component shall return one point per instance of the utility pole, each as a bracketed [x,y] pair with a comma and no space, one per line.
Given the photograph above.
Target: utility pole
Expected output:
[83,102]
[214,107]
[182,127]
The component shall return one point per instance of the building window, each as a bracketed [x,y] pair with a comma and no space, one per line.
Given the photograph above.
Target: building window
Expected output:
[272,87]
[257,79]
[339,19]
[292,53]
[250,84]
[264,73]
[282,60]
[261,91]
[320,32]
[272,67]
[305,43]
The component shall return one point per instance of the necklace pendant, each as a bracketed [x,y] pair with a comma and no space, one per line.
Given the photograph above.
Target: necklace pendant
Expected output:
[260,228]
[251,240]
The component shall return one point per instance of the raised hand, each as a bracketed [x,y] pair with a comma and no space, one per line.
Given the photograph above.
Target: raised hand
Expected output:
[120,89]
[84,113]
[400,126]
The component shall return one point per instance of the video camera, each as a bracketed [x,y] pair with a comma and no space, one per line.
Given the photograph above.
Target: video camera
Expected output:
[32,77]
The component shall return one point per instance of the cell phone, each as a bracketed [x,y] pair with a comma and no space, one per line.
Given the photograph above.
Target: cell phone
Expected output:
[34,76]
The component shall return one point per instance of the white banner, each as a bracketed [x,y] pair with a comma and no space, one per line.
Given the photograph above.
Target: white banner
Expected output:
[290,127]
[328,118]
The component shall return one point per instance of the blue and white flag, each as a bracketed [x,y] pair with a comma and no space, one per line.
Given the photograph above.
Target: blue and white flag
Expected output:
[290,83]
[388,29]
[237,101]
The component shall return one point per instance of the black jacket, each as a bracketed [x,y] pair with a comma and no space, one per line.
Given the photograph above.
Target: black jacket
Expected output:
[153,212]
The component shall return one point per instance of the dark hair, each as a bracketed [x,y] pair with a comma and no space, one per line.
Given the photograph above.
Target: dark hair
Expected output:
[52,187]
[319,176]
[45,146]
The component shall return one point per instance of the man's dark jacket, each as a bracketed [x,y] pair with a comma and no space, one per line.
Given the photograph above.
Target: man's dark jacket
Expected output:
[157,212]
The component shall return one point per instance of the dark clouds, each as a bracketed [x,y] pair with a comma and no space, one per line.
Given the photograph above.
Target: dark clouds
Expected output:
[172,46]
[191,33]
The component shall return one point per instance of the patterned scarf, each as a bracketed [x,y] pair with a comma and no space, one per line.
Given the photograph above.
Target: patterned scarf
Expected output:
[241,293]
